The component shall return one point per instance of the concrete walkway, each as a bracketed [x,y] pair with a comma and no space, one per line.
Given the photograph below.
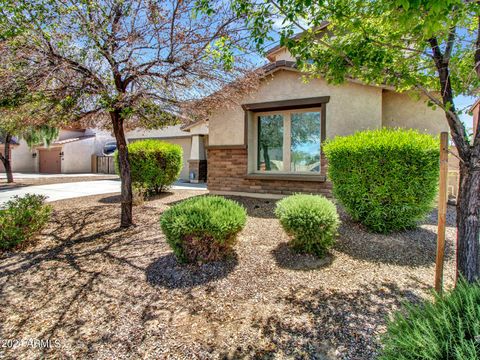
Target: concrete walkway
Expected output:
[36,176]
[71,190]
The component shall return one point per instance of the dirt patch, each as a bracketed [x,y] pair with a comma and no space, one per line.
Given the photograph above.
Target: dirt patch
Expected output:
[97,291]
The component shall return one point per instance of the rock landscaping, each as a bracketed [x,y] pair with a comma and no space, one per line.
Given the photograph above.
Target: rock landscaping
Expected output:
[97,291]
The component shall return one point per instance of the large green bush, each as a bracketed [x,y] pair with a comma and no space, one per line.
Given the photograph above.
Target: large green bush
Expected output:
[386,179]
[154,164]
[22,218]
[204,228]
[446,328]
[311,220]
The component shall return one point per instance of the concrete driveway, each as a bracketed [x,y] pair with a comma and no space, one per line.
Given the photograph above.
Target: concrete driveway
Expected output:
[71,190]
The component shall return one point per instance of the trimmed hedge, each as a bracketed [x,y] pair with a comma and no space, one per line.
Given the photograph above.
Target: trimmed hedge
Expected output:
[446,328]
[22,218]
[203,228]
[386,179]
[154,164]
[311,220]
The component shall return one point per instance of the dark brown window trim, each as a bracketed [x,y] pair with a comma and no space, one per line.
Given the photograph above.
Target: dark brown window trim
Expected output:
[288,177]
[287,104]
[305,103]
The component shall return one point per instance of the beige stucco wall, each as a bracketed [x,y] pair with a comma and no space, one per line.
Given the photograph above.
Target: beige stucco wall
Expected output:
[185,143]
[352,106]
[77,156]
[282,54]
[22,160]
[402,110]
[200,129]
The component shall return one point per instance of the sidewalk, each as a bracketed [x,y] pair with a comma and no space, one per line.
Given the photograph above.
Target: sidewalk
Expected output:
[71,190]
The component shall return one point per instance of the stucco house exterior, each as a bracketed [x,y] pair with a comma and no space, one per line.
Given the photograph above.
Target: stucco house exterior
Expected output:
[271,143]
[71,152]
[74,149]
[193,138]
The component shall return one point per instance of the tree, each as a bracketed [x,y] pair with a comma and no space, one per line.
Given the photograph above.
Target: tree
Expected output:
[125,63]
[431,47]
[17,116]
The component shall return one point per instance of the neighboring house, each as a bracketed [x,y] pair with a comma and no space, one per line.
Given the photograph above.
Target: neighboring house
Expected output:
[193,139]
[72,152]
[272,142]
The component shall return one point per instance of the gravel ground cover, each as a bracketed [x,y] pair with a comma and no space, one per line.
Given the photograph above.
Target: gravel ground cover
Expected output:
[99,292]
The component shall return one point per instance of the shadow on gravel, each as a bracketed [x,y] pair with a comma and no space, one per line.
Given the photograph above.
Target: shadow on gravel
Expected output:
[167,272]
[258,208]
[116,199]
[432,218]
[325,324]
[416,247]
[286,258]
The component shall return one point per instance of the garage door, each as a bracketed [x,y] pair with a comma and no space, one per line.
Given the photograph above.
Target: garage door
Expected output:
[50,161]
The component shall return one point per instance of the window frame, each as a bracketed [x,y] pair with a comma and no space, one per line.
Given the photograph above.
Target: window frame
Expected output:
[251,132]
[287,140]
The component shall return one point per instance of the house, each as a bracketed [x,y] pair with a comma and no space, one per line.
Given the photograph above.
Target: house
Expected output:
[271,143]
[72,152]
[193,138]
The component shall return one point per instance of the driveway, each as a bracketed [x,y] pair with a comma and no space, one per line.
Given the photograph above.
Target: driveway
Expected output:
[70,190]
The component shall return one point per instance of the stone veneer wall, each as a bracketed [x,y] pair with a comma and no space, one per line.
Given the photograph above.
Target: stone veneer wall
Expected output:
[227,168]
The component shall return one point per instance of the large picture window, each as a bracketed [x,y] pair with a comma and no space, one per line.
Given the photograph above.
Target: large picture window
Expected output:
[289,141]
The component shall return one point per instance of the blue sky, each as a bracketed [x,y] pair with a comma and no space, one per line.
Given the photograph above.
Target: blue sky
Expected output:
[464,102]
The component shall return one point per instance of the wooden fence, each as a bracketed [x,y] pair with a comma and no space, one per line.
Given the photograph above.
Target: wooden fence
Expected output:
[103,164]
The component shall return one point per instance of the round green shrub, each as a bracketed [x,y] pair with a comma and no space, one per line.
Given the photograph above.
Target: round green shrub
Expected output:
[446,328]
[154,164]
[311,220]
[387,178]
[22,218]
[203,228]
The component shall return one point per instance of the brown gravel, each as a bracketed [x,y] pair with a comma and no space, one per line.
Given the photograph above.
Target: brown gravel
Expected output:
[52,180]
[105,293]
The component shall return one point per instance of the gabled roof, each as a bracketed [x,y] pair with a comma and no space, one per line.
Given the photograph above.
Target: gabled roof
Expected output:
[69,140]
[280,64]
[278,48]
[192,124]
[475,104]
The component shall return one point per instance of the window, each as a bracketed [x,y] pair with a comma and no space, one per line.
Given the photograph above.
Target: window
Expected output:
[270,142]
[288,141]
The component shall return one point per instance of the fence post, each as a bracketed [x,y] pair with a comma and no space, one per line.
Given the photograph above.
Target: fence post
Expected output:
[442,211]
[94,164]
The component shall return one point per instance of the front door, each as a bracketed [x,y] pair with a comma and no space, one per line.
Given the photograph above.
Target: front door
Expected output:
[50,161]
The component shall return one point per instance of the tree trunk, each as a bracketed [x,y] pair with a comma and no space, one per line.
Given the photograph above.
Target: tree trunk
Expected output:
[124,167]
[6,158]
[468,221]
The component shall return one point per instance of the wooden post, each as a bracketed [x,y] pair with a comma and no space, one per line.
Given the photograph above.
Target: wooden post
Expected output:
[442,211]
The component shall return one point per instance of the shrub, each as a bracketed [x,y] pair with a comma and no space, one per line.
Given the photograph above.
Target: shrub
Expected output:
[446,328]
[386,179]
[154,164]
[311,220]
[22,218]
[203,229]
